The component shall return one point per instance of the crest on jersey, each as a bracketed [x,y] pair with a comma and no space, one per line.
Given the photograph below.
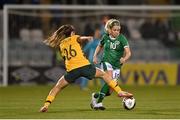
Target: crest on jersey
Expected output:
[117,42]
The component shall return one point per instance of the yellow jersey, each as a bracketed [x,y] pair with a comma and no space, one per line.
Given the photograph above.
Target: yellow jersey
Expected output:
[73,54]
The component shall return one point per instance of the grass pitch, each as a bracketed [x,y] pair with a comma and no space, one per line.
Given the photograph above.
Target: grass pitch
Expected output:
[23,102]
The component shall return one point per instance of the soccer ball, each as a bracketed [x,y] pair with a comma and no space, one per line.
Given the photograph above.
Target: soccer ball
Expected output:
[129,103]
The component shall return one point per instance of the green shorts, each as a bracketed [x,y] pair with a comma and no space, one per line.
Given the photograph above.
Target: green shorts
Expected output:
[87,71]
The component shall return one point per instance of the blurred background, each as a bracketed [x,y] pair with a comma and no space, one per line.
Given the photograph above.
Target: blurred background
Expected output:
[153,35]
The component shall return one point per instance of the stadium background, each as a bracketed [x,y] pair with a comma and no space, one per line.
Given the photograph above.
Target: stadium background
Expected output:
[154,41]
[159,34]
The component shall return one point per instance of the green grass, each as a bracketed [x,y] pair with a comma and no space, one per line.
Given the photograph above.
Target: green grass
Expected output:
[23,102]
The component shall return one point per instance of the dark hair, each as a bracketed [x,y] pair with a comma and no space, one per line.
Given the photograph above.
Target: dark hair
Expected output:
[63,32]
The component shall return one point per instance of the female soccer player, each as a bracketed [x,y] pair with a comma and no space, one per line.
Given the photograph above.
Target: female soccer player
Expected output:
[76,64]
[116,53]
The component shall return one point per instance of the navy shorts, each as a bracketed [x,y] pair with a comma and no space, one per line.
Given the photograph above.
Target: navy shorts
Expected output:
[87,71]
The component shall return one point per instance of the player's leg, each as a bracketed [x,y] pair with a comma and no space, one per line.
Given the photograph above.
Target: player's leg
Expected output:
[106,90]
[103,92]
[113,84]
[61,84]
[69,77]
[98,97]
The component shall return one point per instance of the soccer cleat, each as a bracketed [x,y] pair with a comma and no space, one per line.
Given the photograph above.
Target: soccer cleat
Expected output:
[124,94]
[94,107]
[43,109]
[93,103]
[100,106]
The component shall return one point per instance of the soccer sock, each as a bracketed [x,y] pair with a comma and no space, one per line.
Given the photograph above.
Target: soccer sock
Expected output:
[103,92]
[114,85]
[101,97]
[49,100]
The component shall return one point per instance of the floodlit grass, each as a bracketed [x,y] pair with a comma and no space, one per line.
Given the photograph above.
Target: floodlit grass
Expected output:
[23,102]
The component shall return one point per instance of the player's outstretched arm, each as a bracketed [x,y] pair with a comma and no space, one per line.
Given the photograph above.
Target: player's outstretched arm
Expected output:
[97,51]
[85,38]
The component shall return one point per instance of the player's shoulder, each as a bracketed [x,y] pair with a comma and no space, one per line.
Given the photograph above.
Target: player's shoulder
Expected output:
[122,37]
[74,38]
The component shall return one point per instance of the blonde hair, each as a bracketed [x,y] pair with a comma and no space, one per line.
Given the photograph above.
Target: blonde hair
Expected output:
[110,23]
[63,32]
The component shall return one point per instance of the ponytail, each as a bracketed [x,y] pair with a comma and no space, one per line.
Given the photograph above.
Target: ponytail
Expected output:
[63,32]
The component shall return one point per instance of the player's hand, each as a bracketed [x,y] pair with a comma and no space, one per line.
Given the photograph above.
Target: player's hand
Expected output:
[122,60]
[90,38]
[95,60]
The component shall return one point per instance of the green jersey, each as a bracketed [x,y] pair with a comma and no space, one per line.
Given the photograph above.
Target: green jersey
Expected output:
[113,49]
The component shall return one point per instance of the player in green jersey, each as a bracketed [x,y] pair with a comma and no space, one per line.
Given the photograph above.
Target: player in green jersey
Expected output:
[116,53]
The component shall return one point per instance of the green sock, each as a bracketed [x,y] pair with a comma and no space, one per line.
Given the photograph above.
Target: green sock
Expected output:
[103,92]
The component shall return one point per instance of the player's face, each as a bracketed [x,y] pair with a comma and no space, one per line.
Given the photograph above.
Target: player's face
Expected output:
[115,31]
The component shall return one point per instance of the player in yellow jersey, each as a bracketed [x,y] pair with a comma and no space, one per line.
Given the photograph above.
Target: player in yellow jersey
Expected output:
[76,64]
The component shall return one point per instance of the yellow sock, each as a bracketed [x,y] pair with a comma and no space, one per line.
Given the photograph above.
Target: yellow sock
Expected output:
[113,84]
[49,100]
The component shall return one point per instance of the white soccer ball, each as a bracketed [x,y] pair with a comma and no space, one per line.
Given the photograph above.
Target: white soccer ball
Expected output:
[129,103]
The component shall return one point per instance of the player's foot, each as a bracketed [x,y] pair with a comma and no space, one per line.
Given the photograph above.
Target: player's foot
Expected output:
[124,94]
[93,102]
[44,109]
[100,106]
[94,107]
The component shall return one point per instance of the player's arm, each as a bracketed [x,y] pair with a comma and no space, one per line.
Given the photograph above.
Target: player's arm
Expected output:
[97,51]
[99,48]
[127,55]
[84,38]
